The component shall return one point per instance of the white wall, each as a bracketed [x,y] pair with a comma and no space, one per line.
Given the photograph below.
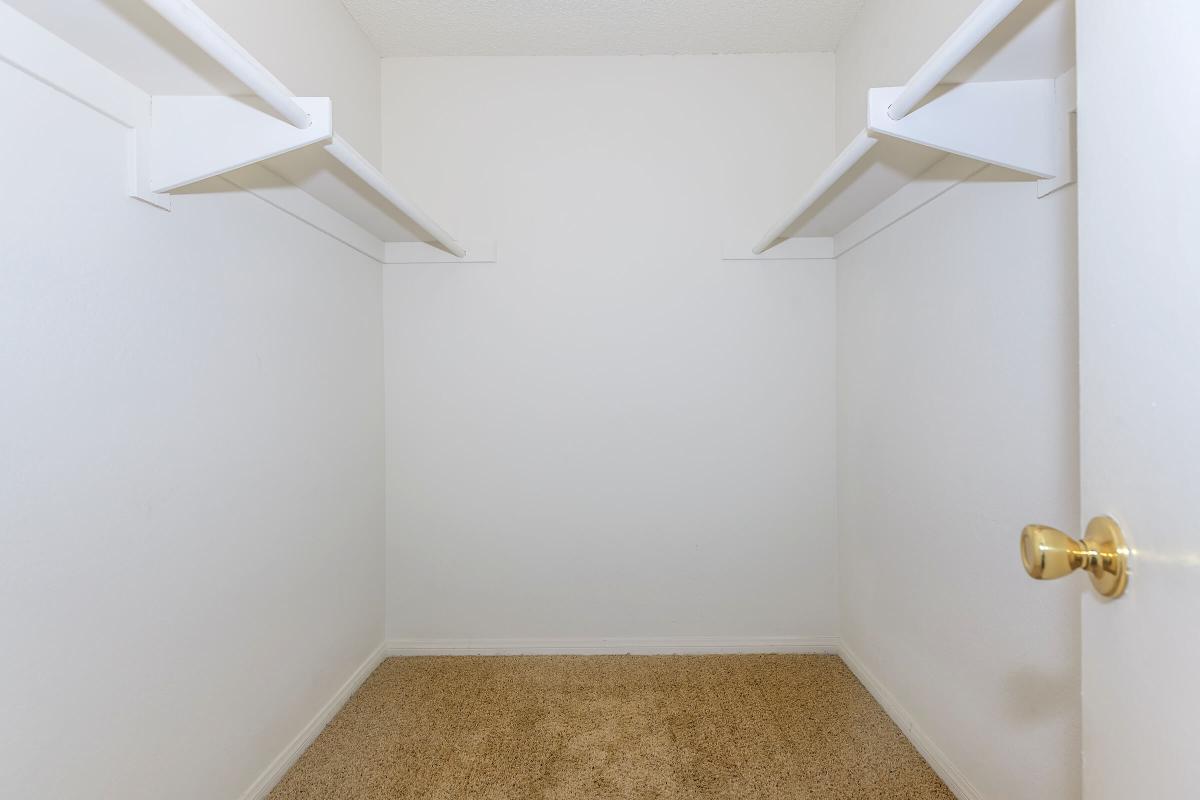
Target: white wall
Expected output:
[884,46]
[191,500]
[317,49]
[958,424]
[313,46]
[610,432]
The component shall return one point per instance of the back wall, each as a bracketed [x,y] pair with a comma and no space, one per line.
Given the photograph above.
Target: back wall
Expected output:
[610,433]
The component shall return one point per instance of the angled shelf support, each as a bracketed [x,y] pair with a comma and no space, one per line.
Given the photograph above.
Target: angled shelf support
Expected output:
[1024,125]
[1011,124]
[1065,105]
[175,139]
[193,138]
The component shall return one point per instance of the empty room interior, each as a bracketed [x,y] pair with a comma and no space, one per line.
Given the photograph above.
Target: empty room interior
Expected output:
[504,399]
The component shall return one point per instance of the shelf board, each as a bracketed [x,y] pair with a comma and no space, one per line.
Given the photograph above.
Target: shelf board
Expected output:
[1036,42]
[886,169]
[326,179]
[132,41]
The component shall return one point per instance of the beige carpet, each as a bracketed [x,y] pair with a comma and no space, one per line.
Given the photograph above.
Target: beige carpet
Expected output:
[767,727]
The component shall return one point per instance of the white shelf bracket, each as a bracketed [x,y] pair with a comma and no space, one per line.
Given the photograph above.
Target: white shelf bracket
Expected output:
[137,154]
[1013,124]
[1066,106]
[193,138]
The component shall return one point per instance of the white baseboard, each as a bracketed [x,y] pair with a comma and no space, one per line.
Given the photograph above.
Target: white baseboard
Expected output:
[284,761]
[497,647]
[950,774]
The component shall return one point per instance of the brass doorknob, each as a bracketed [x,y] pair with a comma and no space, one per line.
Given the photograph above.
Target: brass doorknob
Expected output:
[1048,553]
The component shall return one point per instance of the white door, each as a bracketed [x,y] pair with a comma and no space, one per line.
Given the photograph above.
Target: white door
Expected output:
[1139,311]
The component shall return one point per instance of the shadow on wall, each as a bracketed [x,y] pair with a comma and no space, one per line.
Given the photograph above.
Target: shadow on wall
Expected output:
[1036,695]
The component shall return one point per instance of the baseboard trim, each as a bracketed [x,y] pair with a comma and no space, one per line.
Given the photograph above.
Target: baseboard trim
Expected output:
[284,761]
[950,774]
[668,646]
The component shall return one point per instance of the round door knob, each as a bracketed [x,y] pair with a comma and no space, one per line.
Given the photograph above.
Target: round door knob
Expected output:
[1048,553]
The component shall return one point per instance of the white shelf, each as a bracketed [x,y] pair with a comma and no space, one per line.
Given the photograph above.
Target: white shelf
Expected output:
[886,168]
[89,48]
[329,181]
[1004,100]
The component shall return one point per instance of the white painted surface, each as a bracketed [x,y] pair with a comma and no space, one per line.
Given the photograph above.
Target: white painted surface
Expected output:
[193,138]
[610,433]
[478,251]
[363,170]
[682,645]
[314,47]
[884,170]
[845,161]
[940,178]
[287,197]
[795,248]
[942,764]
[190,492]
[1011,124]
[188,18]
[890,41]
[317,50]
[275,771]
[602,27]
[1139,301]
[336,189]
[884,46]
[29,47]
[957,425]
[1005,103]
[957,402]
[958,45]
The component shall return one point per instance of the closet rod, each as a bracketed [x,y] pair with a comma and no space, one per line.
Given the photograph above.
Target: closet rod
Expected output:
[340,149]
[193,23]
[846,159]
[975,28]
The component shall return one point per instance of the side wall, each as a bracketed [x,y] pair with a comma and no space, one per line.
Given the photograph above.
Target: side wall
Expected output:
[611,434]
[884,46]
[317,49]
[958,403]
[191,499]
[313,46]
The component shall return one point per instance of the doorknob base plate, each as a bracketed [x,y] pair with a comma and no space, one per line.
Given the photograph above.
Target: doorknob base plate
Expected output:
[1110,570]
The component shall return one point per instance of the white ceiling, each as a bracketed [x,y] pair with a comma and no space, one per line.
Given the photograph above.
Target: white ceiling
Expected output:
[601,27]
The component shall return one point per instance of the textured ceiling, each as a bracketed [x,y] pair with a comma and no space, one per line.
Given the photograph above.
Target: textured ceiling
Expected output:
[601,27]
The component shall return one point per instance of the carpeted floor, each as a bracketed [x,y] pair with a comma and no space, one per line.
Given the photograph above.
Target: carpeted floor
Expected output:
[766,727]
